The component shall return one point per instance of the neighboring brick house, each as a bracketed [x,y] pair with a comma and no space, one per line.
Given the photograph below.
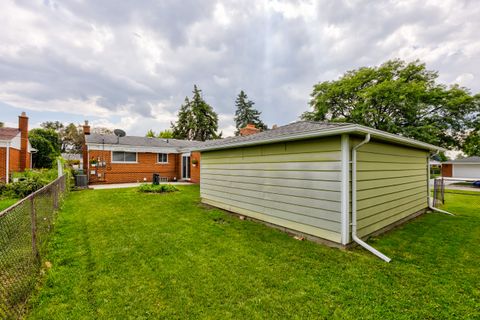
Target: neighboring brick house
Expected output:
[111,159]
[15,149]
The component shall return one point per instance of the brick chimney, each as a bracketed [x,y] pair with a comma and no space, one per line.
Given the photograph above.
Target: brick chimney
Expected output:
[86,128]
[248,130]
[23,127]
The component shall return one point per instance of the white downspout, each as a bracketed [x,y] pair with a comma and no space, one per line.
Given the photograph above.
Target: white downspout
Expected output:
[429,203]
[345,188]
[7,164]
[354,204]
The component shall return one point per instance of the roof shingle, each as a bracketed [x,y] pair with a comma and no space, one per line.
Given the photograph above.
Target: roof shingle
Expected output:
[8,133]
[292,128]
[95,138]
[469,159]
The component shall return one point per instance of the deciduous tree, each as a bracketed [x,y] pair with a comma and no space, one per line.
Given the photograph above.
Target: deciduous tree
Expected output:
[398,97]
[150,134]
[166,134]
[47,143]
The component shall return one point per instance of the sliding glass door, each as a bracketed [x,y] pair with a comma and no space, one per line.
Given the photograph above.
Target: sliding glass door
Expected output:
[186,166]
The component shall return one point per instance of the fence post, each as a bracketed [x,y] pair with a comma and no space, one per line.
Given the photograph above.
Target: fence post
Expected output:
[443,190]
[33,216]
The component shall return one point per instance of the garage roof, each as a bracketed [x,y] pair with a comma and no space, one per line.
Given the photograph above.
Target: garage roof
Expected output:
[310,129]
[469,160]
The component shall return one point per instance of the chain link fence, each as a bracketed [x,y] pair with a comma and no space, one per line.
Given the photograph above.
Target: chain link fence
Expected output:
[460,186]
[24,230]
[438,192]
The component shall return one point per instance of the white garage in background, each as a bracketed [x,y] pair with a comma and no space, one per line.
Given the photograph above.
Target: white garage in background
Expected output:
[468,168]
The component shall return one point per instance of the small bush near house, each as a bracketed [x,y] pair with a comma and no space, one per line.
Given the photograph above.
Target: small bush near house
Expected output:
[161,188]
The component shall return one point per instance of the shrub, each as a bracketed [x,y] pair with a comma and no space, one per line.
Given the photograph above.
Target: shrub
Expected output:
[28,181]
[44,175]
[23,188]
[74,162]
[161,188]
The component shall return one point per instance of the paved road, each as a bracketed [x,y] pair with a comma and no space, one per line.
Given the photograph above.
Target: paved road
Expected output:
[451,185]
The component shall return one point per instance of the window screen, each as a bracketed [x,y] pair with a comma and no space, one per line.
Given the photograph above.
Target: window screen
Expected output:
[163,158]
[121,156]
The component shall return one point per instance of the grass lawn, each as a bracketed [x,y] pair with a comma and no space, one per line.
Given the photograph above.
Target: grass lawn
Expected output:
[120,254]
[6,202]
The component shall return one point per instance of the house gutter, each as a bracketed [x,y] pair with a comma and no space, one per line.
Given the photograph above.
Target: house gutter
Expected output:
[429,203]
[354,204]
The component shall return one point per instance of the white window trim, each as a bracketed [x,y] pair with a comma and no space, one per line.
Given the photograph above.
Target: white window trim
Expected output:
[158,154]
[186,154]
[124,162]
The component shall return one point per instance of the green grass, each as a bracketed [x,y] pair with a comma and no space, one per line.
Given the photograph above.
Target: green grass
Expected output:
[121,254]
[6,202]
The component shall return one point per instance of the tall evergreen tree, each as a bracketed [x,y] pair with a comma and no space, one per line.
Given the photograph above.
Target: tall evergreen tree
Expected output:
[196,119]
[246,114]
[205,119]
[183,127]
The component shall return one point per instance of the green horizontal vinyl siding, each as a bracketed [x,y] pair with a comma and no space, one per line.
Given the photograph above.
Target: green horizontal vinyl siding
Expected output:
[391,184]
[295,184]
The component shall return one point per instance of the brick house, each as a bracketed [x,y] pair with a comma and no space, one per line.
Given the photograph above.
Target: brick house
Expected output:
[111,159]
[15,149]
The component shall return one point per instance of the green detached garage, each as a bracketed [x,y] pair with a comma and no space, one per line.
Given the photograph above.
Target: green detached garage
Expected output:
[334,182]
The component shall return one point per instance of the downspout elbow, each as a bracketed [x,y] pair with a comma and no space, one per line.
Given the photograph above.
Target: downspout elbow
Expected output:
[354,204]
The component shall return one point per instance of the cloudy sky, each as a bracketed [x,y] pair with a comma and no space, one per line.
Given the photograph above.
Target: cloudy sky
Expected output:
[129,64]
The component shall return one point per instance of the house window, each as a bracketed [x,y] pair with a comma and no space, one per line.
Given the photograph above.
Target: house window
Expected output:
[121,156]
[162,158]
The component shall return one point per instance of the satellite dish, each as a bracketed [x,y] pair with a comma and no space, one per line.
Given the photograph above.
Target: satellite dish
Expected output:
[119,133]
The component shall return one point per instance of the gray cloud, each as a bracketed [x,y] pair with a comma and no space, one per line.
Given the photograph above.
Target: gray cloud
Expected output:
[136,61]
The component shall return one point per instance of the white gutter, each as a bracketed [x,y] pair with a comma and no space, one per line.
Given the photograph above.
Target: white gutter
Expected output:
[7,164]
[345,188]
[429,203]
[131,148]
[354,204]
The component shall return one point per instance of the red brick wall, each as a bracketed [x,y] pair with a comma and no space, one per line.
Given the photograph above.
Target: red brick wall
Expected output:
[14,164]
[195,169]
[15,160]
[24,156]
[132,172]
[85,158]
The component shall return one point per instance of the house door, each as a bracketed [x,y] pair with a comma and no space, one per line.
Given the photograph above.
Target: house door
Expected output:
[186,166]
